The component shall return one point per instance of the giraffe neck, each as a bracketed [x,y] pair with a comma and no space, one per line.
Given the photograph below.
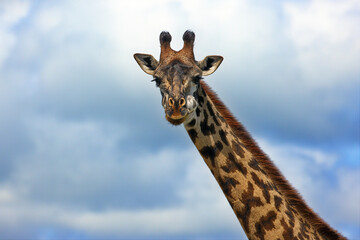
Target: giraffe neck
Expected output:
[259,196]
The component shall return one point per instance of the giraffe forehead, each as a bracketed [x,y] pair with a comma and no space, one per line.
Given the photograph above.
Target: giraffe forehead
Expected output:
[176,69]
[176,76]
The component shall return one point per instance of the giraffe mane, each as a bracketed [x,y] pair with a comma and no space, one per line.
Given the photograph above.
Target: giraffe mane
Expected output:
[292,195]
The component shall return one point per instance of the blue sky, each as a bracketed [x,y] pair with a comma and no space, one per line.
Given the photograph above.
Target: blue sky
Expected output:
[85,150]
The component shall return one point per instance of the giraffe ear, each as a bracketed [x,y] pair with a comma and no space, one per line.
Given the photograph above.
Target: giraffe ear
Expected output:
[210,64]
[147,62]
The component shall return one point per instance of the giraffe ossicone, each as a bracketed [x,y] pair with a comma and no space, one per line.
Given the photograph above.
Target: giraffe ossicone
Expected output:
[264,202]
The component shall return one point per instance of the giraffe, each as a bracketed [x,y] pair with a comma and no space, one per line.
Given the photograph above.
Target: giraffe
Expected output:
[264,202]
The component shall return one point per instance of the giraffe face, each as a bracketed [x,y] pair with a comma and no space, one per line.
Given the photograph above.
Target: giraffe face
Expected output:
[178,83]
[178,75]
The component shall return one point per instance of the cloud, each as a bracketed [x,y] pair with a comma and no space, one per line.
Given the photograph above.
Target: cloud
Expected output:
[27,200]
[325,40]
[266,65]
[11,12]
[85,163]
[86,151]
[348,188]
[195,192]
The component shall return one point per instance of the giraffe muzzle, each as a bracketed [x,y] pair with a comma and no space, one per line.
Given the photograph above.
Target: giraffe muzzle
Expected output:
[176,108]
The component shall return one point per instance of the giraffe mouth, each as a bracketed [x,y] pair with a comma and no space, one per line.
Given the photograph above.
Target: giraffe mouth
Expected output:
[176,120]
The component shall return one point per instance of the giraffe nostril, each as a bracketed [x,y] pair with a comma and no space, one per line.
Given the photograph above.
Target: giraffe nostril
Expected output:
[171,102]
[182,102]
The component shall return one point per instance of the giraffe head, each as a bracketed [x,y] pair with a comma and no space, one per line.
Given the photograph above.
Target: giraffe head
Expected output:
[178,74]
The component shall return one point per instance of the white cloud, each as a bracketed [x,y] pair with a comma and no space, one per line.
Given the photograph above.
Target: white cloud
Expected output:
[7,40]
[326,39]
[347,195]
[11,12]
[181,220]
[6,195]
[298,164]
[48,19]
[201,208]
[184,220]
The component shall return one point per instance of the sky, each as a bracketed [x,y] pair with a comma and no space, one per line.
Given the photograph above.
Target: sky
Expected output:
[86,152]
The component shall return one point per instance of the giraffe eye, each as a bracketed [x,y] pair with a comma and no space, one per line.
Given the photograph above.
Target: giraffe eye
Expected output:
[157,81]
[196,79]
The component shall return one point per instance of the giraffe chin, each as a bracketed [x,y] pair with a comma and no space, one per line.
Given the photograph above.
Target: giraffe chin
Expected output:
[176,121]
